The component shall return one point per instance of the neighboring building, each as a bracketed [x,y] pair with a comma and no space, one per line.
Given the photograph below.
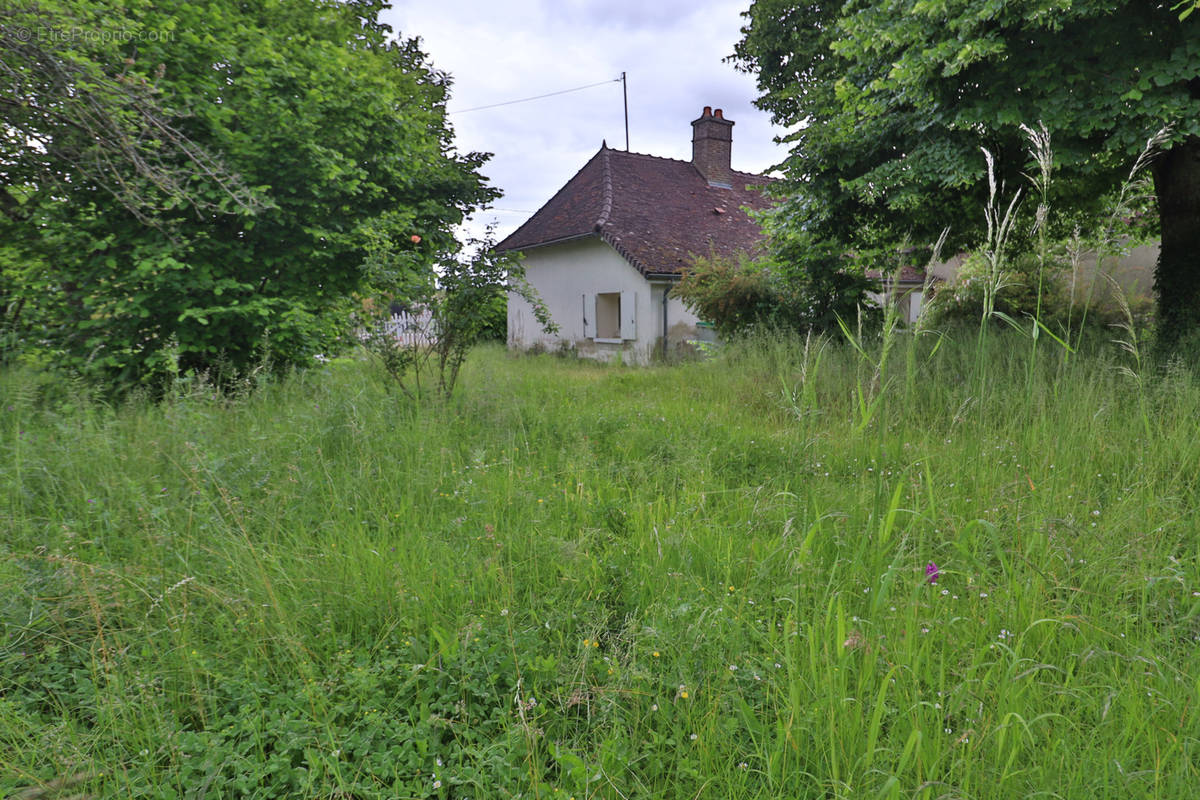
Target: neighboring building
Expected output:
[1091,280]
[907,290]
[604,251]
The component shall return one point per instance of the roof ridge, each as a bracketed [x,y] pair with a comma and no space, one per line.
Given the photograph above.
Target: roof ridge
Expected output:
[689,163]
[651,155]
[606,198]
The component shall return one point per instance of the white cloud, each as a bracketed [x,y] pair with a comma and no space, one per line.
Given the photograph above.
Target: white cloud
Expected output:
[671,50]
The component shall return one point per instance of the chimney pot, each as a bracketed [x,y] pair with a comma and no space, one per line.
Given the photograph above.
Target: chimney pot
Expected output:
[718,114]
[707,111]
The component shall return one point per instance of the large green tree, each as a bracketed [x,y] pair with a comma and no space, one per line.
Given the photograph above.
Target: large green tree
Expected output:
[193,182]
[891,101]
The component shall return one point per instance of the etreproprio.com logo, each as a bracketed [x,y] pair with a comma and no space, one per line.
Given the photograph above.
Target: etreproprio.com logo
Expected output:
[89,35]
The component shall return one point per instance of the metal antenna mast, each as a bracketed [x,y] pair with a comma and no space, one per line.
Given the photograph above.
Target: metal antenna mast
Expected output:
[625,94]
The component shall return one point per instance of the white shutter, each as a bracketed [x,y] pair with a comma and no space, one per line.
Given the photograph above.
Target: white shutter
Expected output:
[589,316]
[628,315]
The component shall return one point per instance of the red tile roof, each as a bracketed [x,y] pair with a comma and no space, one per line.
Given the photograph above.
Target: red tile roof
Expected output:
[656,212]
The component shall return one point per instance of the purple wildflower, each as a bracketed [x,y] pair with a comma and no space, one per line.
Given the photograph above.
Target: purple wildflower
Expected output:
[931,572]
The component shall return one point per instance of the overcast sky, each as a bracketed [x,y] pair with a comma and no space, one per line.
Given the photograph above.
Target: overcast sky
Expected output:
[672,52]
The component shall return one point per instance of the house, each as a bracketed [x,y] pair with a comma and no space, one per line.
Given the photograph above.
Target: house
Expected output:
[907,289]
[604,252]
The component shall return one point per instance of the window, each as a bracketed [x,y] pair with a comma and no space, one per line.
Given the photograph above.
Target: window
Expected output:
[608,315]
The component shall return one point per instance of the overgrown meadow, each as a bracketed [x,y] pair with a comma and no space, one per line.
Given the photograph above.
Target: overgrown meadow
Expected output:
[793,570]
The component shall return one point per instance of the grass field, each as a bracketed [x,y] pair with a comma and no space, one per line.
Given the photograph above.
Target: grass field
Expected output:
[702,580]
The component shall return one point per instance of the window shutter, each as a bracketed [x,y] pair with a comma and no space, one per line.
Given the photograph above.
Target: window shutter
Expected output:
[916,299]
[628,315]
[589,316]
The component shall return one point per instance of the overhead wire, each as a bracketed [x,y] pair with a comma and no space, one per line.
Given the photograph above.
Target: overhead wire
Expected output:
[536,97]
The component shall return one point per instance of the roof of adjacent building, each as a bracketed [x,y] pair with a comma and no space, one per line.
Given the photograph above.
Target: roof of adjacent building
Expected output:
[912,275]
[659,213]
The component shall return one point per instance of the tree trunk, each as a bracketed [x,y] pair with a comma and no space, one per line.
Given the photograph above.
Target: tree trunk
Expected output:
[1177,279]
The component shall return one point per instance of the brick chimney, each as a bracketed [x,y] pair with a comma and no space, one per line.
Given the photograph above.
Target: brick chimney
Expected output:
[712,146]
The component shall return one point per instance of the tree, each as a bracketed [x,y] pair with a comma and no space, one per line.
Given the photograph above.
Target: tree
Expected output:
[75,110]
[256,150]
[783,289]
[1186,7]
[891,102]
[447,316]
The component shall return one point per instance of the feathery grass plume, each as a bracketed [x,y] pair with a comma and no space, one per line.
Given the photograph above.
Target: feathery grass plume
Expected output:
[869,392]
[1130,344]
[999,229]
[1136,185]
[1075,248]
[1043,156]
[921,325]
[799,395]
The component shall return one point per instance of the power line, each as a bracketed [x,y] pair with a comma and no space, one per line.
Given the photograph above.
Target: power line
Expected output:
[538,97]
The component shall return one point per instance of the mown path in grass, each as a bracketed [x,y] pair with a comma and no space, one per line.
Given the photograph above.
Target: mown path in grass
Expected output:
[703,580]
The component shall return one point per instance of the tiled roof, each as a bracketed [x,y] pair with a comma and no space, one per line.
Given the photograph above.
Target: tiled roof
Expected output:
[907,275]
[657,212]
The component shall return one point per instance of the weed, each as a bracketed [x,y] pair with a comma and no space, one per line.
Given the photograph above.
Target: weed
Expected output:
[574,580]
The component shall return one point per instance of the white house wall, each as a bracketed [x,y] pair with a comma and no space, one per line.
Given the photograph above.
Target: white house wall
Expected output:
[567,277]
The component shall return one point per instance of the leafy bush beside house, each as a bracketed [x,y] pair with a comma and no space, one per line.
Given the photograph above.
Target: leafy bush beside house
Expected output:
[1072,293]
[799,286]
[733,294]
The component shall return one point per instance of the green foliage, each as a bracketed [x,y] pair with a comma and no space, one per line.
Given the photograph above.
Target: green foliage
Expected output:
[83,111]
[829,285]
[611,582]
[495,320]
[798,287]
[891,102]
[300,130]
[961,300]
[736,295]
[447,318]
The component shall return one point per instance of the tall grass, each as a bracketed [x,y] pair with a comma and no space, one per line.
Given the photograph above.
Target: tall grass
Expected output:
[706,580]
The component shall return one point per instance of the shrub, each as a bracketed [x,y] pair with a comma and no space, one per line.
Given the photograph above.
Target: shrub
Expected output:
[798,287]
[464,305]
[961,299]
[734,294]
